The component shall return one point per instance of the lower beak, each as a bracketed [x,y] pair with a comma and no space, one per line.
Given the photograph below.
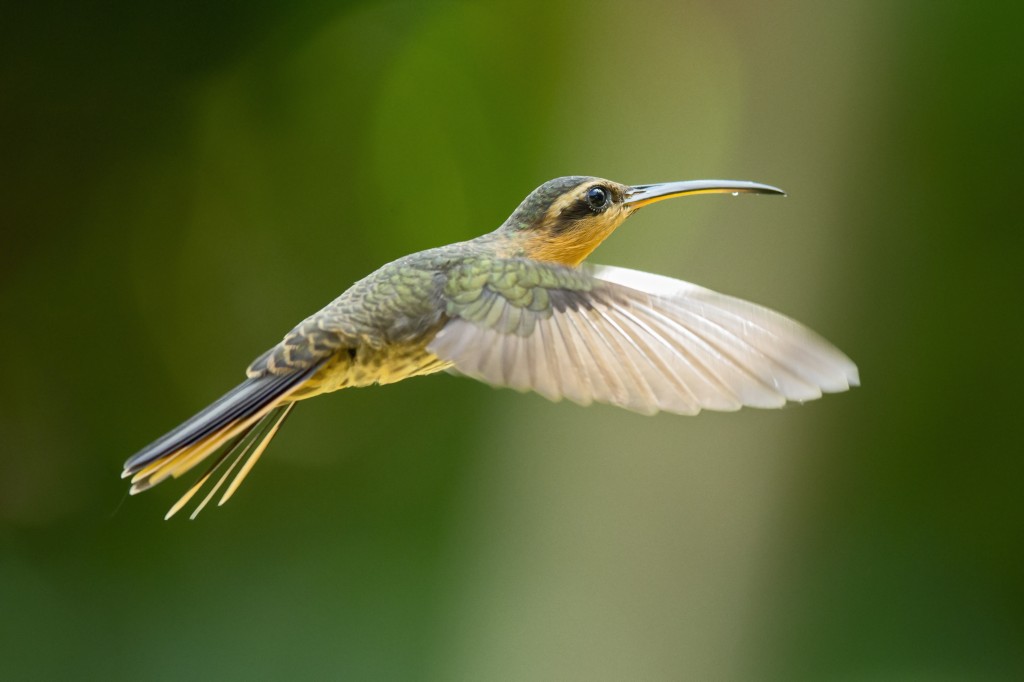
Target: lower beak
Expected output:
[641,195]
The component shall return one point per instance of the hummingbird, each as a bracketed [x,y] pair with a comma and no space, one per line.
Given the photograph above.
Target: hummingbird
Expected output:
[517,308]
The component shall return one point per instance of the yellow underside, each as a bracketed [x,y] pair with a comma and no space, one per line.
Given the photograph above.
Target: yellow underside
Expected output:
[370,366]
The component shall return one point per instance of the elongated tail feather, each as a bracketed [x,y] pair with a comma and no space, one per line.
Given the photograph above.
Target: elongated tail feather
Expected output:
[238,426]
[247,448]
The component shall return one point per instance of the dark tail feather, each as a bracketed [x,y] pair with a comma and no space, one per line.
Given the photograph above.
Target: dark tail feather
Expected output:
[241,422]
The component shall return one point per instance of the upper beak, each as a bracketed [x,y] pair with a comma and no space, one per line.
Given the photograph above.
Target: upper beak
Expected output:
[641,195]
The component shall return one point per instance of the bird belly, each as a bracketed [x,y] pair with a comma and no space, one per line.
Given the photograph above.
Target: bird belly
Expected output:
[367,366]
[388,365]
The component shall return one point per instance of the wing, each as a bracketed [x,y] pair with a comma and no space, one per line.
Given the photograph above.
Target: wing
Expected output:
[642,342]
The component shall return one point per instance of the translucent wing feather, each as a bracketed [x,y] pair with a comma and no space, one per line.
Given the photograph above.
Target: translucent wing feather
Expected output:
[645,343]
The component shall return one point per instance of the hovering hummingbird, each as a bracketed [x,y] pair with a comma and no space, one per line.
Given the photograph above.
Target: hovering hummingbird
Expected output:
[516,308]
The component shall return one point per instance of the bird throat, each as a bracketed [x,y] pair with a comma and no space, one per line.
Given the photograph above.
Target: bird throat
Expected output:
[568,244]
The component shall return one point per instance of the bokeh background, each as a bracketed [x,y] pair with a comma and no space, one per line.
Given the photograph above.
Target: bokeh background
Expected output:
[182,182]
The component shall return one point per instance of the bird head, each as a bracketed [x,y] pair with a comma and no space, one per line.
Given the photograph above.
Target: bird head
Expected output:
[565,219]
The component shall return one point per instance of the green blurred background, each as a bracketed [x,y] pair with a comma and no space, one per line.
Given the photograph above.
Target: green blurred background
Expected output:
[180,184]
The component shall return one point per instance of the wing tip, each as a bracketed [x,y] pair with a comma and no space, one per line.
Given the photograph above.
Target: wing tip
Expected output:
[853,376]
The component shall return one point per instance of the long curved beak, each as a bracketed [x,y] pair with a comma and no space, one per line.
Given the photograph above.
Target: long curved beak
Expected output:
[641,195]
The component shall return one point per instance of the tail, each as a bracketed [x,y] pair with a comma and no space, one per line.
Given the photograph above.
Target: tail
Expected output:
[239,426]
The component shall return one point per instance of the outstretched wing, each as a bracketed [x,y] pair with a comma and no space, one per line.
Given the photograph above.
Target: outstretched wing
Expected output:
[639,341]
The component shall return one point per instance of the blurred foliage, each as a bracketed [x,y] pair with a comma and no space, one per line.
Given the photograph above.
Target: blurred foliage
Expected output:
[179,184]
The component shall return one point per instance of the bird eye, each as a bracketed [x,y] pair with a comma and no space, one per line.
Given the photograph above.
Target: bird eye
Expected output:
[597,198]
